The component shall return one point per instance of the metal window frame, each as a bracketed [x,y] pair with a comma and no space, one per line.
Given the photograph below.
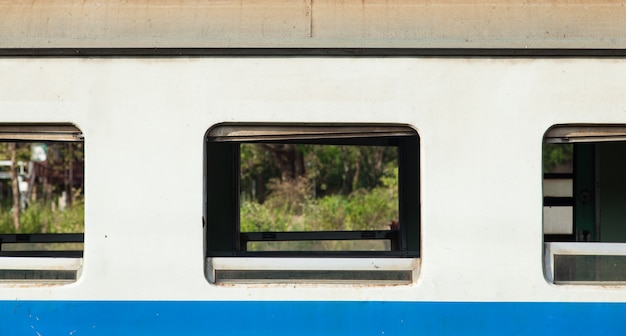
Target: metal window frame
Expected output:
[233,134]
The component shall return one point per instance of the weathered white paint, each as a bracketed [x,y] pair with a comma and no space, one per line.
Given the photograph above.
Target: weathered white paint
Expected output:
[477,118]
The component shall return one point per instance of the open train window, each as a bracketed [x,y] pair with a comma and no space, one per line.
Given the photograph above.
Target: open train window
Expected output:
[585,204]
[311,193]
[41,202]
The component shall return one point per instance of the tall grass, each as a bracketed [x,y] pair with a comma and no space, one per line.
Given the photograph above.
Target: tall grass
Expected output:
[361,210]
[44,218]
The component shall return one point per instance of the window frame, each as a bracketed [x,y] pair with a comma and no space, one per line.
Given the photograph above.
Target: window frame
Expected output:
[222,185]
[30,265]
[584,241]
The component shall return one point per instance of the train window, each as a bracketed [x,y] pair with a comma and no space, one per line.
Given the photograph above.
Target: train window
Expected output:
[312,193]
[584,213]
[41,203]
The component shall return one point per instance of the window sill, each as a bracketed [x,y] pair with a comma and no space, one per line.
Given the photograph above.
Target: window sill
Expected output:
[585,263]
[39,270]
[383,271]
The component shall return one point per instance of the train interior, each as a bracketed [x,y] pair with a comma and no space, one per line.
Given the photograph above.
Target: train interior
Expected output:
[585,204]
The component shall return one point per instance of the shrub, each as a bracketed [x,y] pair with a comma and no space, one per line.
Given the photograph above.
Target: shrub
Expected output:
[43,218]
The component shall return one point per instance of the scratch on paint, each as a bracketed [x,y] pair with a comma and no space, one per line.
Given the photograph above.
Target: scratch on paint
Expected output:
[36,332]
[30,316]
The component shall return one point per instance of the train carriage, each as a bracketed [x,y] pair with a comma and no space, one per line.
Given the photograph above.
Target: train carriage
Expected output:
[507,121]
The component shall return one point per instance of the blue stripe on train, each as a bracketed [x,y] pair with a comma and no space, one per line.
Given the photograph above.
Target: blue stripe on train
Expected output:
[77,318]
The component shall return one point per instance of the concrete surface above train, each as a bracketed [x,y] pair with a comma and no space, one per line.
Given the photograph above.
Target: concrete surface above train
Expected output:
[580,24]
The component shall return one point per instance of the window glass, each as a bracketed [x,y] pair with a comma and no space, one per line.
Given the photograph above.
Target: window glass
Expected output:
[558,176]
[297,189]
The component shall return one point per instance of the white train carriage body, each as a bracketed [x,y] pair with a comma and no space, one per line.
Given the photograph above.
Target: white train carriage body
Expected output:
[476,258]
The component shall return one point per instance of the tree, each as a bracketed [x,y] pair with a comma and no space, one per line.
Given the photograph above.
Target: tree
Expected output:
[557,156]
[343,169]
[288,159]
[256,168]
[330,169]
[15,186]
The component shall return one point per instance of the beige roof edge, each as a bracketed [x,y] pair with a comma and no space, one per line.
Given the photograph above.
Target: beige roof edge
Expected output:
[555,24]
